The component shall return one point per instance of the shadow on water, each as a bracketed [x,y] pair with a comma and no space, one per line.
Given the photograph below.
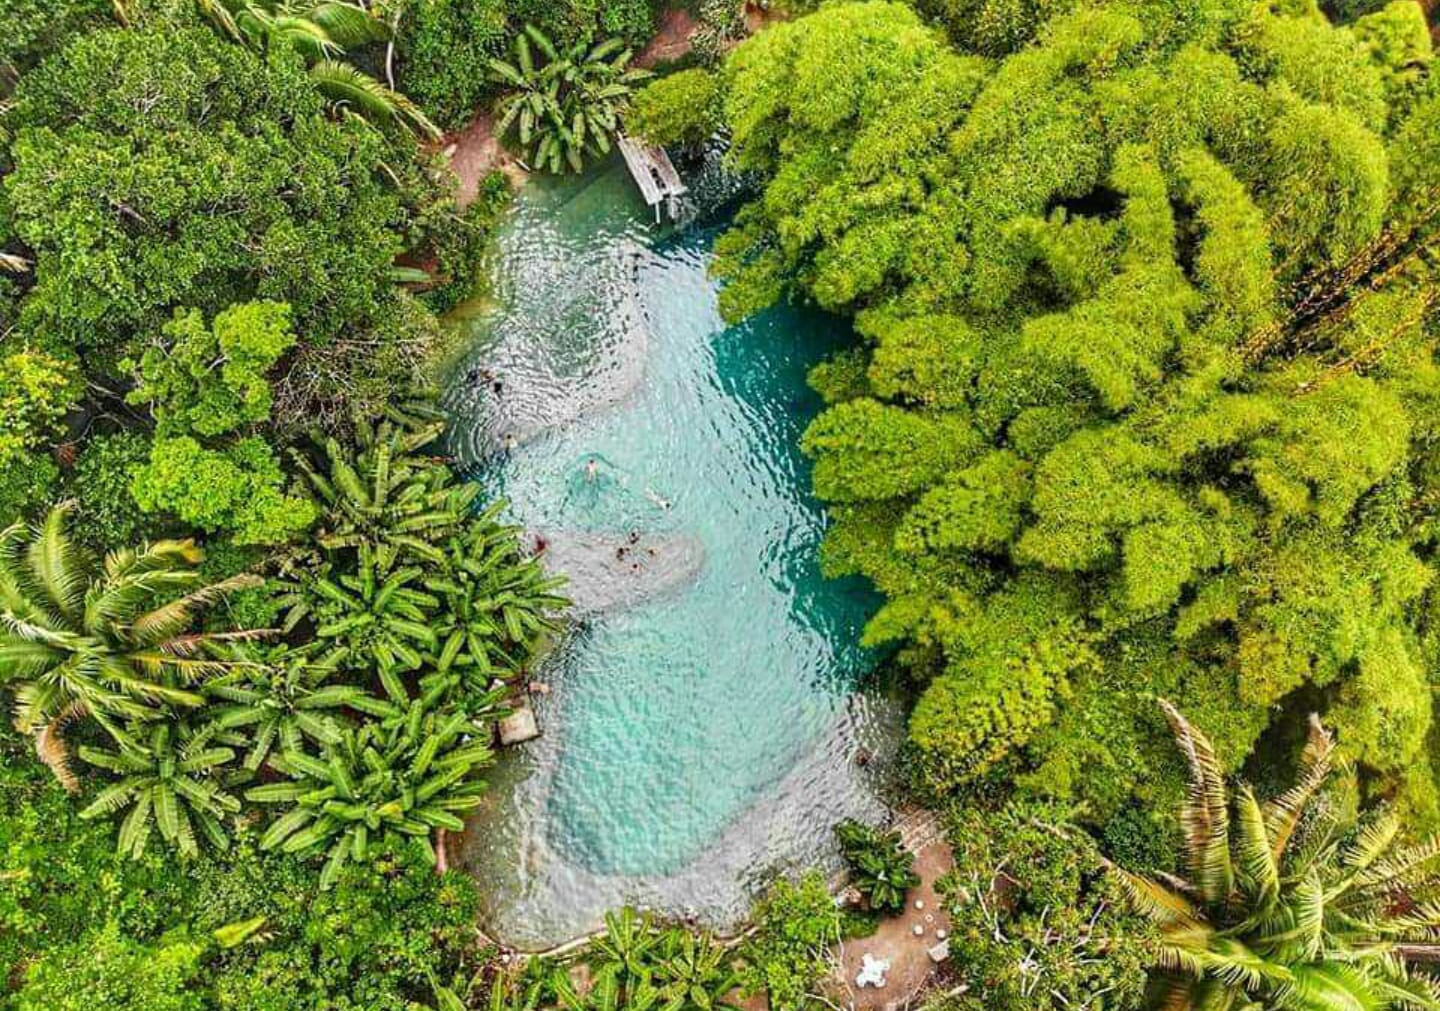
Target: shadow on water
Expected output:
[703,724]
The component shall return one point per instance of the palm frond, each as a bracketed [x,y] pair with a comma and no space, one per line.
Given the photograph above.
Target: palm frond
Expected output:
[1205,816]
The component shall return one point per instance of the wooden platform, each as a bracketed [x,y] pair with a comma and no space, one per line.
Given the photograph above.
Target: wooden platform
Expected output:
[653,172]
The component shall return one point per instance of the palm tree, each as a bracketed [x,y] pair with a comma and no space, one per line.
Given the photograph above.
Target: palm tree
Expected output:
[570,105]
[114,643]
[171,783]
[383,782]
[321,32]
[1281,913]
[280,698]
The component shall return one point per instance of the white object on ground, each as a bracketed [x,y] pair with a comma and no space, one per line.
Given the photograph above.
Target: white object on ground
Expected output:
[939,952]
[919,930]
[872,972]
[919,903]
[941,934]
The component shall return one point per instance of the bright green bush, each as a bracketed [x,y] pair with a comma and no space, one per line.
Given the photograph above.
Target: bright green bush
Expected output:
[238,490]
[1141,402]
[680,109]
[211,379]
[36,389]
[106,970]
[796,924]
[29,29]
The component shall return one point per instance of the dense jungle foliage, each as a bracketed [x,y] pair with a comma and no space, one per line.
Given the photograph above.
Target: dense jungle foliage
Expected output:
[1145,399]
[1138,438]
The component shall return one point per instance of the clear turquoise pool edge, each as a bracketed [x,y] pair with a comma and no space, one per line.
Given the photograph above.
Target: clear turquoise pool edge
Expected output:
[699,739]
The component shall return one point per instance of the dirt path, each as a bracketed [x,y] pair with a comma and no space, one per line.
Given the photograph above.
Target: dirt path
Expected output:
[671,41]
[474,152]
[895,940]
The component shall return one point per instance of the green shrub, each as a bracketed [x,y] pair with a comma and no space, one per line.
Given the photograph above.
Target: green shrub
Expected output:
[879,866]
[26,491]
[796,924]
[1036,924]
[106,513]
[238,490]
[36,389]
[106,970]
[445,49]
[211,379]
[680,109]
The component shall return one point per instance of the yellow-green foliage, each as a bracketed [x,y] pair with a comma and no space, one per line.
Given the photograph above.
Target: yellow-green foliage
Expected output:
[682,108]
[1145,398]
[35,391]
[211,379]
[237,490]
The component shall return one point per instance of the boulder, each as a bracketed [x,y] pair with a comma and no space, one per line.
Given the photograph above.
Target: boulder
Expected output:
[519,727]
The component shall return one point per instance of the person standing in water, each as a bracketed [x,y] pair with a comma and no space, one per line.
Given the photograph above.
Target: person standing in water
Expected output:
[592,470]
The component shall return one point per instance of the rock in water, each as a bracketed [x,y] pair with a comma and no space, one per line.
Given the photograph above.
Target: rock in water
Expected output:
[612,570]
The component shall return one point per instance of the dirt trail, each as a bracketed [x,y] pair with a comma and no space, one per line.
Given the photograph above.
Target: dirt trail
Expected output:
[474,152]
[895,940]
[671,41]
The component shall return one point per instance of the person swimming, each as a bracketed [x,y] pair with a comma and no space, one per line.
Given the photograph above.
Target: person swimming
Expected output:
[592,470]
[657,498]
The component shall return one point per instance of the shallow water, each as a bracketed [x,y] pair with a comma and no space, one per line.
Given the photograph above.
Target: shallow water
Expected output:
[704,723]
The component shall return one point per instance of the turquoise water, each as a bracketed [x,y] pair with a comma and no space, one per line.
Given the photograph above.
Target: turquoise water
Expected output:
[703,721]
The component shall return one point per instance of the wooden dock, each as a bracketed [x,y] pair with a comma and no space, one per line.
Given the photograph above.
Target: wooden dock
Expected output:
[653,172]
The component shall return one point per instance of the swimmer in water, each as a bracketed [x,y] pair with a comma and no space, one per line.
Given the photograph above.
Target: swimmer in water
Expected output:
[654,496]
[592,470]
[634,536]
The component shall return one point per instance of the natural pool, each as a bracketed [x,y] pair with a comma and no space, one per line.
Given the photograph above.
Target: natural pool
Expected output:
[703,728]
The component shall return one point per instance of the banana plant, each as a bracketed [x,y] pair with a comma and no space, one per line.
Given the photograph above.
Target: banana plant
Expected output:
[693,971]
[496,603]
[385,495]
[881,868]
[368,619]
[384,782]
[173,784]
[567,106]
[280,698]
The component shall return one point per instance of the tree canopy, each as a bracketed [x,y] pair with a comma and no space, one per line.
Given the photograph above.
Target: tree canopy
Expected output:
[1144,399]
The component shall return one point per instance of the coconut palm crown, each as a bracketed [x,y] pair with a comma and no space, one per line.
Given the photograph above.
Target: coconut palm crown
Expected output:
[1289,904]
[113,641]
